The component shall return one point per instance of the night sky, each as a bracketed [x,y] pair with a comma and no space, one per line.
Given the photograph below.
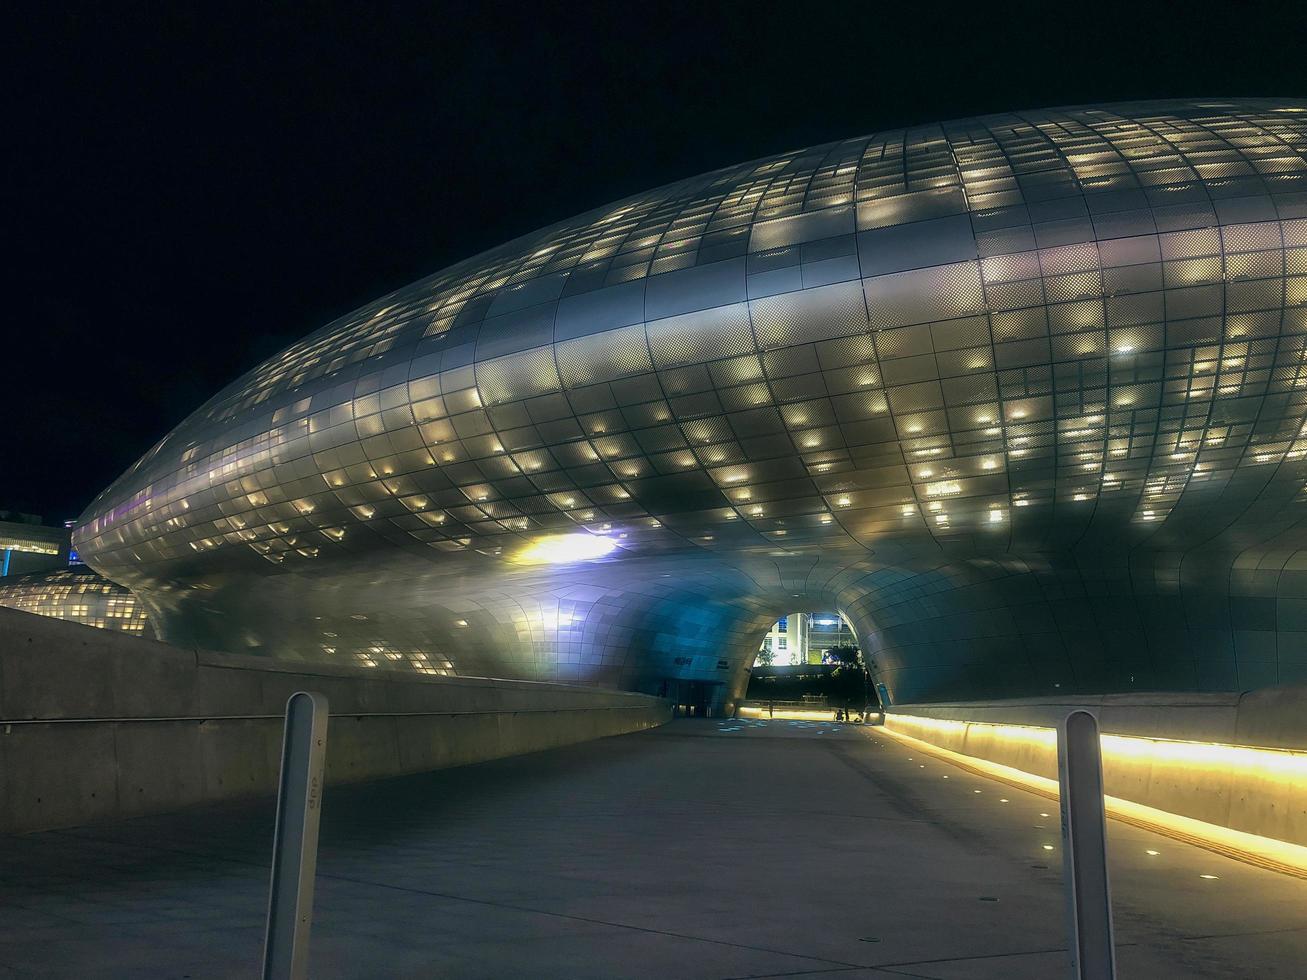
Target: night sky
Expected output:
[188,191]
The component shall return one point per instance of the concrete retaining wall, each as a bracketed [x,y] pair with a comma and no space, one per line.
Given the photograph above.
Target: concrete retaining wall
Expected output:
[1262,791]
[96,725]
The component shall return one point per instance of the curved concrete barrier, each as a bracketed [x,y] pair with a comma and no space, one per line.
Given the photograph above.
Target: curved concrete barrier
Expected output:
[1237,761]
[96,725]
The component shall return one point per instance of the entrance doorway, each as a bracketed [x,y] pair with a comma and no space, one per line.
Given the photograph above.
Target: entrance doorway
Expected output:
[696,699]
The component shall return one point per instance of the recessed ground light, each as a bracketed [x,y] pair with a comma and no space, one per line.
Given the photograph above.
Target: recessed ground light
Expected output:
[1004,801]
[975,791]
[1048,847]
[1210,877]
[1153,853]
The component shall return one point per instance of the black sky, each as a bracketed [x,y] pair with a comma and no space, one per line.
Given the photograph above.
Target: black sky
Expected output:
[189,188]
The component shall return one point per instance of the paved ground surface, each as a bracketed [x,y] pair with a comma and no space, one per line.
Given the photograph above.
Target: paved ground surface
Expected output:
[702,849]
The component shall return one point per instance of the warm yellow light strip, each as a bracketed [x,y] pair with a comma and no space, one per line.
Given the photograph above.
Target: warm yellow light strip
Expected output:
[787,714]
[1251,762]
[28,547]
[1264,852]
[1275,764]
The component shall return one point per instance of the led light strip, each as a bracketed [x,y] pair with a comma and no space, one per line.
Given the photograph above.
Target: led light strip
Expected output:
[787,714]
[1254,849]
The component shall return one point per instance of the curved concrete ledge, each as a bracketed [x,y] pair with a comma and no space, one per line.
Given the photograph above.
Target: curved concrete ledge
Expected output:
[97,726]
[1237,761]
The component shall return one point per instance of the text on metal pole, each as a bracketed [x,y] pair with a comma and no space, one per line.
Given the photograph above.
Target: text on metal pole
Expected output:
[295,841]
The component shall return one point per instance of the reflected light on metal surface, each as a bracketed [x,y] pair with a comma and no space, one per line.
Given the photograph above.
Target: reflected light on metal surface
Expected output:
[562,549]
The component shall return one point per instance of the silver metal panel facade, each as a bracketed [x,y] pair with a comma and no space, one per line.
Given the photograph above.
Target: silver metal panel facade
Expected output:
[1021,395]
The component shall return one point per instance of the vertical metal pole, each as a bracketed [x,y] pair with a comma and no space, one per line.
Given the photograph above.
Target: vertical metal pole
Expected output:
[295,842]
[1084,848]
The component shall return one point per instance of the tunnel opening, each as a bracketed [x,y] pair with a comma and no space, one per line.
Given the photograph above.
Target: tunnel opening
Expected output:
[810,665]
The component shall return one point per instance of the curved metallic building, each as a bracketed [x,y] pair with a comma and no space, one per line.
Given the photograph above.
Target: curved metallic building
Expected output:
[77,595]
[1021,395]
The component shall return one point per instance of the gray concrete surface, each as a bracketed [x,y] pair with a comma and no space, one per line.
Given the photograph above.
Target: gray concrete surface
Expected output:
[95,725]
[704,848]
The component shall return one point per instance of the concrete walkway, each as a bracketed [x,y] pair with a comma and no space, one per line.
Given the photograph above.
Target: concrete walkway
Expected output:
[702,849]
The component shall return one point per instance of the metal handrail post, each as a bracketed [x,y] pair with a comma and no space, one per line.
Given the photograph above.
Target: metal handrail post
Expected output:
[295,841]
[1084,848]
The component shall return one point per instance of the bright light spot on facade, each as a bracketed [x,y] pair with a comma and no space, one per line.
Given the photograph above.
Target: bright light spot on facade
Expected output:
[558,549]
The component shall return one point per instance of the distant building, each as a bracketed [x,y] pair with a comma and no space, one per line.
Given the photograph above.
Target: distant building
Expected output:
[40,574]
[804,638]
[826,630]
[775,646]
[78,595]
[27,545]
